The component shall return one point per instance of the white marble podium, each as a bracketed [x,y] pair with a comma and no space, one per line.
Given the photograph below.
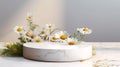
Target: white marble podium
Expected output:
[49,51]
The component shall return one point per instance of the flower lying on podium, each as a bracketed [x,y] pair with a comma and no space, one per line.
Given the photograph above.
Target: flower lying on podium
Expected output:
[36,34]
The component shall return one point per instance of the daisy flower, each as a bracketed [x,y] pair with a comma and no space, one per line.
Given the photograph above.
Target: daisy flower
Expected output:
[71,41]
[33,36]
[53,38]
[30,35]
[37,39]
[34,33]
[61,35]
[43,33]
[84,30]
[18,29]
[49,26]
[29,16]
[27,34]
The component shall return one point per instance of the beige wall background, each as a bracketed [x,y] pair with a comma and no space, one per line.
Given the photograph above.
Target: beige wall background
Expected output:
[102,16]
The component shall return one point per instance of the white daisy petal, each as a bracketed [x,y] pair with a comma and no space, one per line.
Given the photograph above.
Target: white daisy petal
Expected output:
[84,30]
[18,29]
[71,41]
[27,34]
[37,39]
[44,32]
[29,15]
[50,26]
[61,35]
[53,38]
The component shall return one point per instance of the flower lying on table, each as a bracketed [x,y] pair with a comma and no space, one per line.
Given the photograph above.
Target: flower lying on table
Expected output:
[49,33]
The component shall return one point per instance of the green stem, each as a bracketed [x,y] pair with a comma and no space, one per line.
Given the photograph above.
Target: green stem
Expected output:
[82,37]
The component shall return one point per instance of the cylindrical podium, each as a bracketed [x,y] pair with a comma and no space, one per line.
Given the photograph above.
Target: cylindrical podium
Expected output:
[50,51]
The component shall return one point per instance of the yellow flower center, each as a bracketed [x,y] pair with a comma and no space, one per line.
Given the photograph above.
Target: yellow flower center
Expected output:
[42,32]
[32,36]
[19,29]
[63,37]
[49,26]
[85,29]
[71,43]
[54,38]
[38,40]
[29,17]
[27,33]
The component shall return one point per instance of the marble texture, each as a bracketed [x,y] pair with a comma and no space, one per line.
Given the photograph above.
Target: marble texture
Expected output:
[48,51]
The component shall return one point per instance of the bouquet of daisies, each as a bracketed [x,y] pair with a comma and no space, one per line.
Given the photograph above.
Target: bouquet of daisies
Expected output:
[36,34]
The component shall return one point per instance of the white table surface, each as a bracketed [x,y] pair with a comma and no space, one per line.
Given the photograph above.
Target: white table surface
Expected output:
[109,51]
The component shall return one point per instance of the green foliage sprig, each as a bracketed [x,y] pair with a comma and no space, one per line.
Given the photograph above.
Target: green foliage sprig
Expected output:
[12,49]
